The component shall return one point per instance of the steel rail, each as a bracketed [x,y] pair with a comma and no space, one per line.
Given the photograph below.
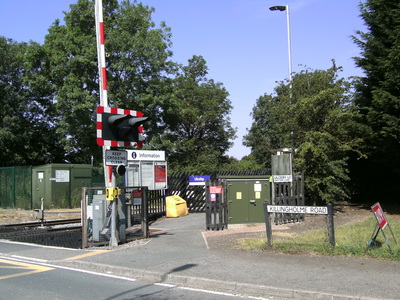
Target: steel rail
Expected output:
[46,223]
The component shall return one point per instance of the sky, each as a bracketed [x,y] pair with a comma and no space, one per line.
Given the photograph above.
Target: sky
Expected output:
[244,44]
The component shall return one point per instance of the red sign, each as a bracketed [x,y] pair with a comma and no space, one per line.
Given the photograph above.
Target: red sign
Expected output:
[160,173]
[380,216]
[215,189]
[137,194]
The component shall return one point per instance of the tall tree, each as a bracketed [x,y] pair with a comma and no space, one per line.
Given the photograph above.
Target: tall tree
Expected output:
[189,113]
[313,115]
[137,65]
[27,135]
[378,97]
[198,131]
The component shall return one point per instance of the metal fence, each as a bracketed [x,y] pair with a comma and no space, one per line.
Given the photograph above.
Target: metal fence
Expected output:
[133,216]
[195,196]
[216,206]
[16,187]
[288,193]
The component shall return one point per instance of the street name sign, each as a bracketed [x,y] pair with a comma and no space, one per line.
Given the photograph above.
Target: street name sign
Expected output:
[282,178]
[290,209]
[294,209]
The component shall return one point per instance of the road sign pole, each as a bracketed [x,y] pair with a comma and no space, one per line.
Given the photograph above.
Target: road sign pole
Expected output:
[331,227]
[268,224]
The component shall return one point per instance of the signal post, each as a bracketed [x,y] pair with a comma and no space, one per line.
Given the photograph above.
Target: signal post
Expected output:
[115,127]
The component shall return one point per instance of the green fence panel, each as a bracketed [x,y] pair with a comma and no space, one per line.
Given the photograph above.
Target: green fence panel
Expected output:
[23,187]
[7,191]
[16,187]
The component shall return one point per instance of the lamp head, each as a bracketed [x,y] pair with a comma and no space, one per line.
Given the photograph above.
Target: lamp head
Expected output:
[278,7]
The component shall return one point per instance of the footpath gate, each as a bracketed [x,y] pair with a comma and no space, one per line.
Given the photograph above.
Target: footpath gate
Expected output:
[288,193]
[216,206]
[234,201]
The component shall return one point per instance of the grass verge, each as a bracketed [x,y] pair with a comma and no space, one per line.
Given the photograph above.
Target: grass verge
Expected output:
[350,240]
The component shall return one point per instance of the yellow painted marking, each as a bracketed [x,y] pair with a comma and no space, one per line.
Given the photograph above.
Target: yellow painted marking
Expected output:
[24,266]
[86,255]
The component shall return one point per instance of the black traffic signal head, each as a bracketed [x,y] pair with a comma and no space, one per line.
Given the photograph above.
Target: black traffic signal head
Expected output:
[124,128]
[120,170]
[116,127]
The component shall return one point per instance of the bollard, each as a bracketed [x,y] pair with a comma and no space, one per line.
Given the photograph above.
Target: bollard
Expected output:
[42,210]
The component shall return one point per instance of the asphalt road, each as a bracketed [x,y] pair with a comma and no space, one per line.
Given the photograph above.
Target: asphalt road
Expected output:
[22,279]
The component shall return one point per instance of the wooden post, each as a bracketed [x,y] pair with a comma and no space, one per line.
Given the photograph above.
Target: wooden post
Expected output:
[268,224]
[208,205]
[331,227]
[145,213]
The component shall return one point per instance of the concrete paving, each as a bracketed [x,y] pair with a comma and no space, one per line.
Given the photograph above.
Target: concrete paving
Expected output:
[179,253]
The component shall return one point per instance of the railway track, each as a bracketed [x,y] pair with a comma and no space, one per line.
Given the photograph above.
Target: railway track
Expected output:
[62,233]
[45,223]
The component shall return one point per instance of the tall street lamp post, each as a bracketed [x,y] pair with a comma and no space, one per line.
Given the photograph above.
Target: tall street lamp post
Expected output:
[283,8]
[286,8]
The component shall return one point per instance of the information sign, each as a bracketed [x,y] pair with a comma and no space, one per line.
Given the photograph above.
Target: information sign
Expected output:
[147,168]
[160,175]
[62,176]
[149,155]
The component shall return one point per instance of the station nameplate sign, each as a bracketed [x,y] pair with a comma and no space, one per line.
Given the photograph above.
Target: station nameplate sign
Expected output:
[198,180]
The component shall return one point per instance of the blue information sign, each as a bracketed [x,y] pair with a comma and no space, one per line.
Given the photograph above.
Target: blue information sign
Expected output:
[198,180]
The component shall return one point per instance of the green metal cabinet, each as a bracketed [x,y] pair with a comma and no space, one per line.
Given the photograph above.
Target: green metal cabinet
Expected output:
[245,197]
[59,185]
